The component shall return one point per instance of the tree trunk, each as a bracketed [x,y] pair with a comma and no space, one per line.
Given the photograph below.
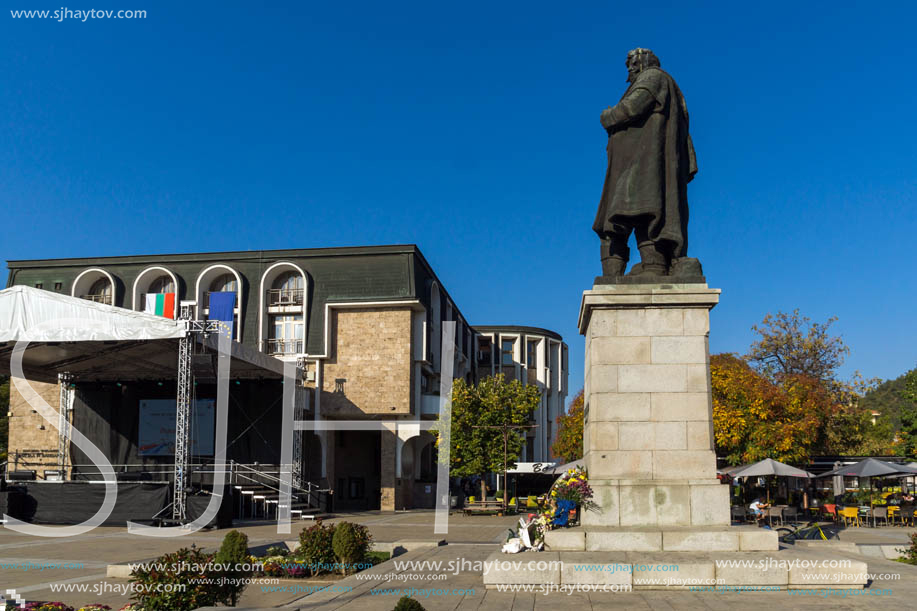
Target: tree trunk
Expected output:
[483,490]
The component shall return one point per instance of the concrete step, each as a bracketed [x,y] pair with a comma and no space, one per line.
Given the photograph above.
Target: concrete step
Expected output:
[784,569]
[653,539]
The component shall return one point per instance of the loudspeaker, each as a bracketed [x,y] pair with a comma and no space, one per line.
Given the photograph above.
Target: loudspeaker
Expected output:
[21,476]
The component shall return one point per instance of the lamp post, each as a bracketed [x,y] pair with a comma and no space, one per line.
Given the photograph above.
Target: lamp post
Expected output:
[505,428]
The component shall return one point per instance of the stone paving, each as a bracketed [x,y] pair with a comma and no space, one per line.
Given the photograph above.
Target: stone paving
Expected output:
[471,538]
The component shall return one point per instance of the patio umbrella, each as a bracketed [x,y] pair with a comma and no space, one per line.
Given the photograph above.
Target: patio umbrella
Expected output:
[871,467]
[837,482]
[730,470]
[769,466]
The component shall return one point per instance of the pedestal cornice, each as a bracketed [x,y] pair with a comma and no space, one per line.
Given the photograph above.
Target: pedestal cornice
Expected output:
[619,297]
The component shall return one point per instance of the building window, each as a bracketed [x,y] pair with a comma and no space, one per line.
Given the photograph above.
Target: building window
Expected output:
[100,291]
[507,348]
[225,283]
[531,354]
[287,289]
[484,352]
[38,285]
[530,449]
[160,286]
[58,286]
[285,334]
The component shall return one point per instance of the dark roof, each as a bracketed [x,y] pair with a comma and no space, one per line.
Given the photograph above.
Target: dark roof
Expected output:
[216,256]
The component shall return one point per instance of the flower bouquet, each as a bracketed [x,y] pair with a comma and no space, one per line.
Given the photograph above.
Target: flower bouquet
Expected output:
[571,491]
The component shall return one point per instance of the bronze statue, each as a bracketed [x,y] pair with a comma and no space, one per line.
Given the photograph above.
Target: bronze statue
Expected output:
[650,163]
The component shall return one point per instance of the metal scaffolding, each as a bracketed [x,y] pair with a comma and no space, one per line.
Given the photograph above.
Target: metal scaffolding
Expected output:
[65,407]
[184,401]
[299,413]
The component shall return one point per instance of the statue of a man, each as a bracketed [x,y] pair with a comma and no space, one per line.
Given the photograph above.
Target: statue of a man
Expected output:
[650,162]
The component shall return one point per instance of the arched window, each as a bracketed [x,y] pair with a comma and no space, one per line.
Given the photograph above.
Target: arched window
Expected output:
[100,291]
[160,285]
[283,309]
[224,283]
[93,284]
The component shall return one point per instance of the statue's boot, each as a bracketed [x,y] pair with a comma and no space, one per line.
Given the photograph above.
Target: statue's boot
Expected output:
[652,262]
[614,259]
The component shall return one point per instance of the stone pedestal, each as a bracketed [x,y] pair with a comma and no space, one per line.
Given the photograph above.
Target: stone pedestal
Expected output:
[648,442]
[648,434]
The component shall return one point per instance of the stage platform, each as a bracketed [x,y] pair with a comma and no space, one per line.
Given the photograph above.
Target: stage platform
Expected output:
[76,501]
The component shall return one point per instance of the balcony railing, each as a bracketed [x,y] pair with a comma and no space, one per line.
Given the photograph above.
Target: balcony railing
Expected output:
[284,297]
[283,346]
[106,299]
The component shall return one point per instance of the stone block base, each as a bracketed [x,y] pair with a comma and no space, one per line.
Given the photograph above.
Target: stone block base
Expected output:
[673,539]
[659,503]
[797,569]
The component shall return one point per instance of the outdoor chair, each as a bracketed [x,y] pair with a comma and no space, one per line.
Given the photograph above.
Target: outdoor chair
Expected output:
[879,513]
[830,510]
[850,514]
[905,515]
[738,513]
[772,513]
[790,514]
[531,503]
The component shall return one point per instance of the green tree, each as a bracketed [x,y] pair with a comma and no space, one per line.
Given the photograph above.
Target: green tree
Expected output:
[569,442]
[908,414]
[492,402]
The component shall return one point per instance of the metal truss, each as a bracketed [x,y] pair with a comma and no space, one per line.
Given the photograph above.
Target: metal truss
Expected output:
[183,429]
[299,412]
[65,407]
[184,401]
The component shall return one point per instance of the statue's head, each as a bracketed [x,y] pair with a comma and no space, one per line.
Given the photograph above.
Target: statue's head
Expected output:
[638,60]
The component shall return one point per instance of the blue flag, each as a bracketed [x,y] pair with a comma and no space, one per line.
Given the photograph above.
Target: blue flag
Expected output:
[222,305]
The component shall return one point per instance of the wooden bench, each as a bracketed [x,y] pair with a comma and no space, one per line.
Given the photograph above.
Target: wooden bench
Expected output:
[484,507]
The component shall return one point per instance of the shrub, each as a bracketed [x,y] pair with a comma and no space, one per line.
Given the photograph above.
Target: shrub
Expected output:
[910,553]
[408,604]
[233,552]
[351,543]
[316,546]
[96,608]
[56,606]
[173,573]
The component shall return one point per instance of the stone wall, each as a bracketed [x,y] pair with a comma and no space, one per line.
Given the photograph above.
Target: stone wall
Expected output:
[371,350]
[36,447]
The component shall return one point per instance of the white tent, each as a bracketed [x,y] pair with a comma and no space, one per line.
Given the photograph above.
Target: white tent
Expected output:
[94,341]
[35,315]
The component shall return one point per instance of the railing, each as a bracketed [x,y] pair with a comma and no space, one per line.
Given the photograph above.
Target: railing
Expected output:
[283,297]
[283,346]
[268,476]
[106,299]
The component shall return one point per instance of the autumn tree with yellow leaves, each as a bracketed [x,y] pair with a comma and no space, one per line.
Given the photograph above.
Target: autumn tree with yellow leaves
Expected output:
[569,442]
[783,399]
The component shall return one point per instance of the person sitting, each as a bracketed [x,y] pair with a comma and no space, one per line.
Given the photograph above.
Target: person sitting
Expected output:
[757,507]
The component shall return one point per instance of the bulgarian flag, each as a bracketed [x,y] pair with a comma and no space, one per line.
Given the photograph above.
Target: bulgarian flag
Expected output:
[160,304]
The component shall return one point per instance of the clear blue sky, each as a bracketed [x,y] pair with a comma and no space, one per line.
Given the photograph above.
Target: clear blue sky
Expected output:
[472,129]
